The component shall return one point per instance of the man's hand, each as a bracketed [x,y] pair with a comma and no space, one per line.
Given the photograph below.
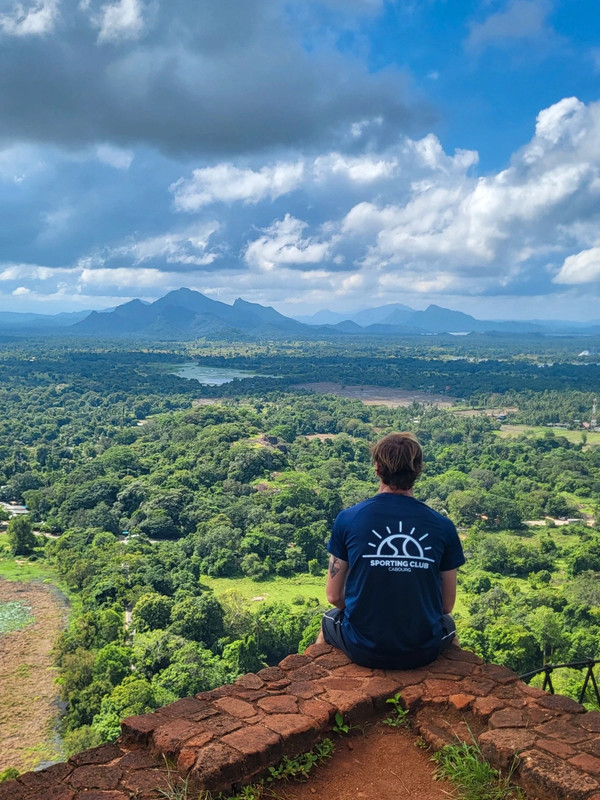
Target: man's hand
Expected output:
[448,590]
[335,588]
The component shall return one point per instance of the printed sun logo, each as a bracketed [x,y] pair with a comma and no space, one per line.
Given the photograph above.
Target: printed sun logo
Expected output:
[399,545]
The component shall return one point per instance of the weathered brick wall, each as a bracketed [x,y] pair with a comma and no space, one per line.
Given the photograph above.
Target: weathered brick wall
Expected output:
[227,737]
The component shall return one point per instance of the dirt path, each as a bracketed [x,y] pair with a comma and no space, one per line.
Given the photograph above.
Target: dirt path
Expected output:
[28,693]
[385,763]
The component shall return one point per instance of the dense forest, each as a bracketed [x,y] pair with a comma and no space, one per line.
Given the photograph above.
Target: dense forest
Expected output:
[143,497]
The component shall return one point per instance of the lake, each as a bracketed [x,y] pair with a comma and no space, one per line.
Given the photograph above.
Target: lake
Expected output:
[212,376]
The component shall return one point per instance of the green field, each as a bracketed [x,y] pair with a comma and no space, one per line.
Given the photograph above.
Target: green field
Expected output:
[507,431]
[284,590]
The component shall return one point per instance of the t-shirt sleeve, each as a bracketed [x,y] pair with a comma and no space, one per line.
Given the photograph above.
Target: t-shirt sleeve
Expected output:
[337,541]
[453,554]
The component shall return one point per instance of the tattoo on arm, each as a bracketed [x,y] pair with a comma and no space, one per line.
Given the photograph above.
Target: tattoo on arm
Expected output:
[334,566]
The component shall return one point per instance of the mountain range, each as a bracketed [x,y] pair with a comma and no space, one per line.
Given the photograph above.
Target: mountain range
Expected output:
[187,314]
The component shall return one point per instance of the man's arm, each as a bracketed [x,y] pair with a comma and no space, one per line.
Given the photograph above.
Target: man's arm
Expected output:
[448,590]
[335,588]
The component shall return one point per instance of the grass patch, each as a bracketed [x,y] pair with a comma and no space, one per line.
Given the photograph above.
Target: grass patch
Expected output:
[474,778]
[507,431]
[285,590]
[14,616]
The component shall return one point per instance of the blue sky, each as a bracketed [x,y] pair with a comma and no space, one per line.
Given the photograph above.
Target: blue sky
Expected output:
[334,153]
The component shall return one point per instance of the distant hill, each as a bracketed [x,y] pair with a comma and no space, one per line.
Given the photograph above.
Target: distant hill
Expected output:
[186,314]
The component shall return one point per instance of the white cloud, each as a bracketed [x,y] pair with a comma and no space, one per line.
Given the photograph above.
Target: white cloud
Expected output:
[37,19]
[583,267]
[21,290]
[114,156]
[123,277]
[227,183]
[283,244]
[121,21]
[182,247]
[521,19]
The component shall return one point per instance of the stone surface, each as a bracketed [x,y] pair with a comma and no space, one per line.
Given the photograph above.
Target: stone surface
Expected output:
[149,782]
[218,767]
[507,718]
[501,746]
[406,677]
[496,673]
[562,729]
[259,745]
[542,775]
[235,707]
[352,671]
[97,755]
[333,660]
[353,706]
[250,681]
[556,747]
[138,759]
[484,707]
[95,777]
[561,703]
[295,661]
[321,711]
[315,650]
[138,729]
[279,704]
[305,689]
[461,702]
[590,721]
[221,724]
[169,738]
[271,674]
[587,763]
[310,672]
[297,730]
[100,795]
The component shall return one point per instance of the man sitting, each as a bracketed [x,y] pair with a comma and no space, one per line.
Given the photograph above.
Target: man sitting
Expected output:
[392,569]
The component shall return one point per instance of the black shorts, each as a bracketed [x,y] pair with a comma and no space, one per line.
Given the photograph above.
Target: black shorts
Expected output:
[333,632]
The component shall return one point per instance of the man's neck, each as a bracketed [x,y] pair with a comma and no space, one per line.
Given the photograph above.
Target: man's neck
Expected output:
[385,489]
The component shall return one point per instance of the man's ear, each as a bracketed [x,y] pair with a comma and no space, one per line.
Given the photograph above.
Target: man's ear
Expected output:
[377,470]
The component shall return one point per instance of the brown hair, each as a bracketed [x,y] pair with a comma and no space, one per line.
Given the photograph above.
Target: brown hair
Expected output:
[398,459]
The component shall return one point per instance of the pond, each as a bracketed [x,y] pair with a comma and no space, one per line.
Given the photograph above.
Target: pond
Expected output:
[212,376]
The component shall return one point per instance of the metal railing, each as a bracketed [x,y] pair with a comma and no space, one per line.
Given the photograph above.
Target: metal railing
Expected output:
[589,679]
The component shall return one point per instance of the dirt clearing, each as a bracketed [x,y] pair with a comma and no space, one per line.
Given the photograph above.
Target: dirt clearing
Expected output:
[379,395]
[28,694]
[385,763]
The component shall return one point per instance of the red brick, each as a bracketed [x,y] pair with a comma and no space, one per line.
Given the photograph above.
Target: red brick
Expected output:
[169,738]
[321,711]
[278,686]
[305,689]
[280,704]
[352,671]
[436,736]
[537,716]
[496,673]
[250,681]
[484,707]
[510,694]
[379,689]
[271,674]
[507,718]
[460,669]
[311,672]
[562,729]
[260,746]
[413,697]
[531,691]
[353,706]
[220,725]
[218,767]
[333,660]
[199,739]
[148,781]
[46,777]
[237,708]
[590,721]
[298,731]
[560,703]
[592,746]
[455,653]
[294,661]
[550,777]
[437,688]
[97,755]
[461,702]
[406,677]
[480,687]
[342,684]
[315,650]
[501,746]
[55,793]
[139,729]
[95,777]
[11,790]
[587,763]
[138,759]
[187,708]
[186,759]
[555,747]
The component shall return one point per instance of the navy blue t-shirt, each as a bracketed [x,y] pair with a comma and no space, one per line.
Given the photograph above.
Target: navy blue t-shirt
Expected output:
[396,547]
